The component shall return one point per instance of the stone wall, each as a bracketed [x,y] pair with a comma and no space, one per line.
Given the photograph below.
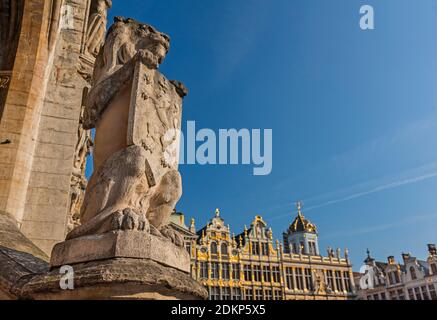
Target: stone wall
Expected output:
[47,201]
[39,124]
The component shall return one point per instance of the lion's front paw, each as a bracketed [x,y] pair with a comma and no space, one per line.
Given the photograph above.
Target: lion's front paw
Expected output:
[173,235]
[148,58]
[130,220]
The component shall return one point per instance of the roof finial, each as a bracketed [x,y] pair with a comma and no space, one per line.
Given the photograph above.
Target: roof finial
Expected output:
[299,207]
[217,212]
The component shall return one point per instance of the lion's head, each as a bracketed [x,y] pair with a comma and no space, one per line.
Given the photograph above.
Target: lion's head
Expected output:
[123,40]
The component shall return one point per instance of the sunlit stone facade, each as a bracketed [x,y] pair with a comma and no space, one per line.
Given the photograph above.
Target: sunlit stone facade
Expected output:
[254,266]
[414,279]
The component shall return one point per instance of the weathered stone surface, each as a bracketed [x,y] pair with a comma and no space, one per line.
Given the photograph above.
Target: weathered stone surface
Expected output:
[19,258]
[13,239]
[41,112]
[121,244]
[117,279]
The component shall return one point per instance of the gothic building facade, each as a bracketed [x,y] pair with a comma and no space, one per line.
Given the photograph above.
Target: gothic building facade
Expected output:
[254,266]
[413,280]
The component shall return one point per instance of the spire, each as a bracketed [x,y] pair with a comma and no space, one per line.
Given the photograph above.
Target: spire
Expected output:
[300,223]
[369,257]
[217,212]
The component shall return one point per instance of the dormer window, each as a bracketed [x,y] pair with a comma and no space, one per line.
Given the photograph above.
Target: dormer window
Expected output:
[394,277]
[413,273]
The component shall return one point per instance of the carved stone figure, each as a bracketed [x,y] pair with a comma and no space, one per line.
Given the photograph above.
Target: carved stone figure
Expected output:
[319,282]
[97,25]
[136,113]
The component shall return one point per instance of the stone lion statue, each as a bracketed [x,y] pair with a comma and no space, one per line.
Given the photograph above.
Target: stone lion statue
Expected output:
[131,188]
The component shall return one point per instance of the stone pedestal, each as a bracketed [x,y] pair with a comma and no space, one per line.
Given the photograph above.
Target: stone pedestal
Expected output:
[117,279]
[121,244]
[121,264]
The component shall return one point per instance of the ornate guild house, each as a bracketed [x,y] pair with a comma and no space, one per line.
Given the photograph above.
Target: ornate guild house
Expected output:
[253,266]
[414,279]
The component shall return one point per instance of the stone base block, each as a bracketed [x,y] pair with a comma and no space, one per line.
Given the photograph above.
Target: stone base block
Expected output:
[120,244]
[116,279]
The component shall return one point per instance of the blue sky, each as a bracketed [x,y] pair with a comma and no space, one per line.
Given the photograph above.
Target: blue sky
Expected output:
[353,113]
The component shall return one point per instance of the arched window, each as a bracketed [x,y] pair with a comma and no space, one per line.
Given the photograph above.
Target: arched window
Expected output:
[213,248]
[413,273]
[224,249]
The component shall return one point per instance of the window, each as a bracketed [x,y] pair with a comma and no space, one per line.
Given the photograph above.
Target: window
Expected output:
[225,271]
[312,248]
[330,279]
[338,281]
[204,270]
[308,279]
[268,294]
[425,293]
[214,270]
[255,248]
[265,248]
[299,279]
[391,278]
[276,275]
[277,294]
[188,247]
[235,271]
[296,248]
[432,292]
[397,279]
[289,278]
[236,294]
[214,293]
[226,293]
[411,294]
[249,295]
[413,273]
[257,273]
[417,292]
[266,274]
[247,272]
[347,281]
[375,297]
[392,295]
[401,294]
[258,294]
[224,249]
[213,248]
[383,297]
